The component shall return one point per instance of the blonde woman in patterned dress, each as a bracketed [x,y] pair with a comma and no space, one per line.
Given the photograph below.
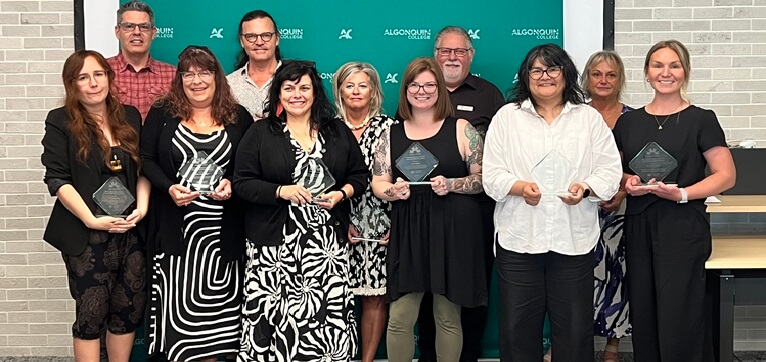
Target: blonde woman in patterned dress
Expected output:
[359,97]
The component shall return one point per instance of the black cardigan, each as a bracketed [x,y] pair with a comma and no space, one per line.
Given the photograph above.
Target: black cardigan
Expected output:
[166,219]
[265,160]
[65,231]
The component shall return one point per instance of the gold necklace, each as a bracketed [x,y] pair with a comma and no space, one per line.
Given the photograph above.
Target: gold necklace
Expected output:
[302,139]
[607,118]
[659,125]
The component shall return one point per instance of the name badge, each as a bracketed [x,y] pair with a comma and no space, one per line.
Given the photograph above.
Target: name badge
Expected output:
[461,107]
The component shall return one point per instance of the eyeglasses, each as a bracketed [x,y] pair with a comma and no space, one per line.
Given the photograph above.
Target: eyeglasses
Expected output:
[429,88]
[85,78]
[553,71]
[459,52]
[128,27]
[253,37]
[204,76]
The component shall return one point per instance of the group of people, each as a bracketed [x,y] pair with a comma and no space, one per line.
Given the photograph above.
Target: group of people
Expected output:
[251,210]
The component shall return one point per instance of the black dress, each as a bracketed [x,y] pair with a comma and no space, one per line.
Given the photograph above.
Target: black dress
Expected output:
[436,240]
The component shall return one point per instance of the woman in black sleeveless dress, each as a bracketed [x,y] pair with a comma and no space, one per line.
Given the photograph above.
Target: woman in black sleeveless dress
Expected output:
[435,225]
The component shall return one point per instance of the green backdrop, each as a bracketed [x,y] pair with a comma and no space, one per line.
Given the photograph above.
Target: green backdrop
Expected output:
[387,34]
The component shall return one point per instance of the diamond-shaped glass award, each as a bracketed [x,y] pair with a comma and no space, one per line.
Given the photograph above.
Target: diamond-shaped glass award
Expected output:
[201,173]
[113,197]
[316,177]
[554,174]
[416,163]
[653,162]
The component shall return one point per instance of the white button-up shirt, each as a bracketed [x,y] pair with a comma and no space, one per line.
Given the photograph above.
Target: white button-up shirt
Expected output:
[519,138]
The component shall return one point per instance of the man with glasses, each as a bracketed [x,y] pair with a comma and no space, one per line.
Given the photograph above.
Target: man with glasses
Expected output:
[476,100]
[139,79]
[257,62]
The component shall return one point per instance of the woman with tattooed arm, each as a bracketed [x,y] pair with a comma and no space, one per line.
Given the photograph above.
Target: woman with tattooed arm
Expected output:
[436,226]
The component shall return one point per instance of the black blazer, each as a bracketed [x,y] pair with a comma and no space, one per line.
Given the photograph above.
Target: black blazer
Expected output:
[65,231]
[159,167]
[265,160]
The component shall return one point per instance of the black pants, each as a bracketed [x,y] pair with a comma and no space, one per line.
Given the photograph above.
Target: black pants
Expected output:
[667,246]
[472,320]
[530,285]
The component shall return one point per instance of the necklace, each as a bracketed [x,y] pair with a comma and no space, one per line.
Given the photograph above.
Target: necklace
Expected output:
[607,118]
[659,125]
[305,141]
[356,128]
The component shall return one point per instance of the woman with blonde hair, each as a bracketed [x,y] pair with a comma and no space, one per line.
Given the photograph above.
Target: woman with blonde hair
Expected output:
[667,227]
[359,98]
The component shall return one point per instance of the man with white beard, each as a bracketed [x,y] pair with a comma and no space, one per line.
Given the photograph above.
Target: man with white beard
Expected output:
[476,100]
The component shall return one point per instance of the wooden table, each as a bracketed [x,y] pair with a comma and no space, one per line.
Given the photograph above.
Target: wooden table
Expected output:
[738,203]
[736,271]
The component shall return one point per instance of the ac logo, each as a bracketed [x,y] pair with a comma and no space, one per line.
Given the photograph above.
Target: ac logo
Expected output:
[391,78]
[474,34]
[345,34]
[216,33]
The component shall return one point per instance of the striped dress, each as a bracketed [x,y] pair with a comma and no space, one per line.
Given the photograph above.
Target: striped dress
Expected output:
[195,298]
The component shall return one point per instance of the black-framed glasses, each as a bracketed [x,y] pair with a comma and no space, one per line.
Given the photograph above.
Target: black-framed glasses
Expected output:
[204,75]
[459,52]
[429,88]
[253,37]
[553,71]
[129,27]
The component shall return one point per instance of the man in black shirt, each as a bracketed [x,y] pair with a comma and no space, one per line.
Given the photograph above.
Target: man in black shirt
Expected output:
[476,100]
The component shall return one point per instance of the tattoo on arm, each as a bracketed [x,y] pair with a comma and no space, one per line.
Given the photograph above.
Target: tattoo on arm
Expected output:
[381,165]
[390,192]
[470,184]
[475,147]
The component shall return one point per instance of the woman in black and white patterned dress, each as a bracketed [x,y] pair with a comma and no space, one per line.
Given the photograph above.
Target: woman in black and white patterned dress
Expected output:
[298,305]
[359,97]
[196,238]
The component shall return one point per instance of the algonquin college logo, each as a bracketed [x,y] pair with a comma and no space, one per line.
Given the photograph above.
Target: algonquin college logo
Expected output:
[541,33]
[412,34]
[345,34]
[294,33]
[165,33]
[216,33]
[474,34]
[391,78]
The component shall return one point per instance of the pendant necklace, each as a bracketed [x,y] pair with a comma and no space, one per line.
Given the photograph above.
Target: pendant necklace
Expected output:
[659,125]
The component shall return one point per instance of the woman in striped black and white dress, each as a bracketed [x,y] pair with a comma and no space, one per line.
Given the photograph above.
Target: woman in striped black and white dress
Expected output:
[196,238]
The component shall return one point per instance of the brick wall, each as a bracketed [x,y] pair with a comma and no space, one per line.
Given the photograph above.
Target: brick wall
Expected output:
[727,39]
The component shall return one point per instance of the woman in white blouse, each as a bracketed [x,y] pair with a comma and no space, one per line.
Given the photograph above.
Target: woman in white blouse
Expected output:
[545,153]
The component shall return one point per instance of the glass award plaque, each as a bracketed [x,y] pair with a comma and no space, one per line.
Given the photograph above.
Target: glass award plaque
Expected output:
[416,163]
[113,197]
[653,162]
[554,174]
[316,177]
[201,173]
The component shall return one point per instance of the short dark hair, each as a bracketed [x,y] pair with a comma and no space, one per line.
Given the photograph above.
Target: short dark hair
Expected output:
[322,112]
[549,54]
[135,6]
[242,57]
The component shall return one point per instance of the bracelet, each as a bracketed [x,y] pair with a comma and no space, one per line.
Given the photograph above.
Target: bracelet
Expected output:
[684,196]
[345,195]
[279,188]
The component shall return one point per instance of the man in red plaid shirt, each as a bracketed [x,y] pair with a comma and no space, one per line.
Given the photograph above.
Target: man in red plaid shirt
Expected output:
[139,79]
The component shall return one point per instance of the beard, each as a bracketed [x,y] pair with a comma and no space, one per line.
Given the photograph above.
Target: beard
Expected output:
[452,74]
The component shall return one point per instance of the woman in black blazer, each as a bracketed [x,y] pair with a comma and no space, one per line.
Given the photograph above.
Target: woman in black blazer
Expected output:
[295,171]
[91,140]
[195,237]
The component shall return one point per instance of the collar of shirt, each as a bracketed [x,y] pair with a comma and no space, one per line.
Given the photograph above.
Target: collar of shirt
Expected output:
[527,106]
[243,72]
[123,65]
[470,82]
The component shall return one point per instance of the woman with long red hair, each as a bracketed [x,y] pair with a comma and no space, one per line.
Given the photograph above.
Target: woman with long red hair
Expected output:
[90,144]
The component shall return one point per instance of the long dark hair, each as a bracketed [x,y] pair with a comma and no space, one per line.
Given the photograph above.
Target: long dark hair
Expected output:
[549,54]
[83,127]
[224,106]
[322,112]
[242,57]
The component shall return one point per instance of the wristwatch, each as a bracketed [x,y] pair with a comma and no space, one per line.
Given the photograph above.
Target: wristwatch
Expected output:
[684,196]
